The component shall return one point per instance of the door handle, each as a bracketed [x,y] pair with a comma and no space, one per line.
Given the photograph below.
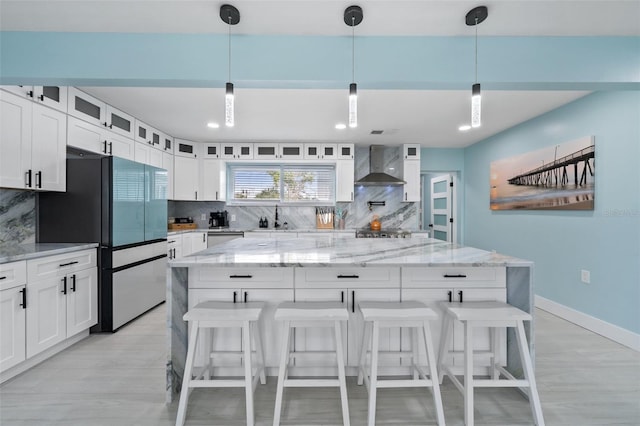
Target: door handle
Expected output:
[104,149]
[245,296]
[342,297]
[67,264]
[455,276]
[204,238]
[353,301]
[24,298]
[73,283]
[240,276]
[348,276]
[39,179]
[28,179]
[460,296]
[64,285]
[450,293]
[110,148]
[235,296]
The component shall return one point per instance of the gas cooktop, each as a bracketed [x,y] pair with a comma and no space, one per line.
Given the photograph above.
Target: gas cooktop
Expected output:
[383,233]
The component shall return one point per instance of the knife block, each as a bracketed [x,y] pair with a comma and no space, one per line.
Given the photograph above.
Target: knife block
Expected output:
[320,223]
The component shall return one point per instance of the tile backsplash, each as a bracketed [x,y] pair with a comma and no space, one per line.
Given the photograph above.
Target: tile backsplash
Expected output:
[358,213]
[17,216]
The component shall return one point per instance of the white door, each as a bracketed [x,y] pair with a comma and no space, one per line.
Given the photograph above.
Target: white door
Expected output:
[120,146]
[345,171]
[86,136]
[210,179]
[12,327]
[319,338]
[389,337]
[49,149]
[185,178]
[82,301]
[15,141]
[442,208]
[46,314]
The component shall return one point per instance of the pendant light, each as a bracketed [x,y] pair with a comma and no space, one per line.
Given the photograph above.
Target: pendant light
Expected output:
[474,17]
[352,17]
[230,16]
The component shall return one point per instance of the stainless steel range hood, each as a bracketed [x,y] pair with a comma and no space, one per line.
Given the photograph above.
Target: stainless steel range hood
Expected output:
[376,175]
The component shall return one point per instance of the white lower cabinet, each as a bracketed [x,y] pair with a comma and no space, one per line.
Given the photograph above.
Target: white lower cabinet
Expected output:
[12,327]
[174,247]
[193,242]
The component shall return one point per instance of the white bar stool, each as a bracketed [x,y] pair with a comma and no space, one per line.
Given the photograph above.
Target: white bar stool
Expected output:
[310,314]
[411,314]
[210,315]
[493,315]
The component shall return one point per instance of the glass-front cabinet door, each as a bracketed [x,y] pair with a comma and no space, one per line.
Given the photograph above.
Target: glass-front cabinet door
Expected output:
[292,151]
[120,122]
[345,151]
[51,96]
[86,107]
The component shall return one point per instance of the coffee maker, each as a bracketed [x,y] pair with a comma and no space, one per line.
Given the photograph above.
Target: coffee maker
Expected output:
[218,219]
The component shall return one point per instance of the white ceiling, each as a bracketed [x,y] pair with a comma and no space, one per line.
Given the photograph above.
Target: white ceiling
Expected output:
[430,118]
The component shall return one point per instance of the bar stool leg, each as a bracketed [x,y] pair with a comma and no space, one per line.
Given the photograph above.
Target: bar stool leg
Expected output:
[468,374]
[260,353]
[444,345]
[248,373]
[341,374]
[415,356]
[284,362]
[362,366]
[433,375]
[207,343]
[525,358]
[186,379]
[373,381]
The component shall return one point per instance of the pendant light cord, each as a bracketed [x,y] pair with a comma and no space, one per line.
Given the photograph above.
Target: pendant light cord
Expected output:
[229,41]
[353,48]
[476,48]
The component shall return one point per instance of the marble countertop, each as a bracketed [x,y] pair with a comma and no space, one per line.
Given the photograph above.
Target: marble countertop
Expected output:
[267,252]
[302,230]
[15,252]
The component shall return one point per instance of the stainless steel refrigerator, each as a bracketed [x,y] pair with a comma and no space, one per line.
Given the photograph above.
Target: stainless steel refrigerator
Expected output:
[121,205]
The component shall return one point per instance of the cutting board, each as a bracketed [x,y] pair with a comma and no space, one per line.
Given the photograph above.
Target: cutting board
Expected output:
[182,226]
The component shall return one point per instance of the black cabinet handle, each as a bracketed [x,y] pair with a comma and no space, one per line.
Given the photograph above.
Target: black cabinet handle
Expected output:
[174,253]
[353,301]
[455,276]
[41,97]
[348,276]
[24,298]
[39,179]
[204,238]
[235,296]
[245,297]
[64,285]
[104,149]
[110,148]
[342,297]
[3,278]
[450,293]
[67,264]
[28,176]
[460,296]
[196,195]
[30,93]
[240,276]
[73,283]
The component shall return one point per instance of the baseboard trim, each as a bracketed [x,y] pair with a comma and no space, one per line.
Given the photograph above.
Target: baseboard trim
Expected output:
[603,328]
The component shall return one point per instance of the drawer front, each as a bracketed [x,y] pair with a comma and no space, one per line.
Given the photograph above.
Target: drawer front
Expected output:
[135,254]
[61,264]
[348,276]
[204,277]
[13,274]
[444,277]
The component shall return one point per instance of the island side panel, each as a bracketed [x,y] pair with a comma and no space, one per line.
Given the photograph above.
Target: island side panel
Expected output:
[177,304]
[520,295]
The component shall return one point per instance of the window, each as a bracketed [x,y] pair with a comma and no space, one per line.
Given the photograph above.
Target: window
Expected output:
[281,183]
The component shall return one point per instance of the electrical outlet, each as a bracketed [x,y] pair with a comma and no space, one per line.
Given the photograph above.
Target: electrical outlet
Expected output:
[401,216]
[585,276]
[233,218]
[203,216]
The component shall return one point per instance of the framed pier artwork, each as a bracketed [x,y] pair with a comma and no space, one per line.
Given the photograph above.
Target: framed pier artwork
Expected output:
[558,177]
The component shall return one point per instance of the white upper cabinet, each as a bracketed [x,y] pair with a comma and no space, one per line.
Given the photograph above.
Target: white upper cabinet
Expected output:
[345,151]
[32,145]
[411,151]
[99,139]
[411,175]
[345,178]
[147,154]
[185,148]
[211,150]
[265,151]
[212,180]
[86,107]
[237,151]
[321,151]
[147,135]
[118,145]
[186,171]
[120,122]
[166,143]
[291,151]
[51,96]
[167,164]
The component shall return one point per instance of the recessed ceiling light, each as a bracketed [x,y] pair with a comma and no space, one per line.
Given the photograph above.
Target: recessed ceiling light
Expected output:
[213,125]
[341,126]
[464,127]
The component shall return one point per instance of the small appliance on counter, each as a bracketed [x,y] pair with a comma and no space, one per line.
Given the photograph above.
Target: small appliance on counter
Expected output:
[219,219]
[182,223]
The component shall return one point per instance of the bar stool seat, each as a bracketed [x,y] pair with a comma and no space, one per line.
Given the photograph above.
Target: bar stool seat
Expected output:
[211,315]
[310,314]
[410,314]
[493,315]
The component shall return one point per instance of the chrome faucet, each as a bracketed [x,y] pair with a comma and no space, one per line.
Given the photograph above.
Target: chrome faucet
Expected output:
[275,222]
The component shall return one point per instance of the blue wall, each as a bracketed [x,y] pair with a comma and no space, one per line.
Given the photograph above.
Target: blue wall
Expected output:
[605,241]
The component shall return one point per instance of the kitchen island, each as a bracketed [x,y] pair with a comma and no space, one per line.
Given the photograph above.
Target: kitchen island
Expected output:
[351,270]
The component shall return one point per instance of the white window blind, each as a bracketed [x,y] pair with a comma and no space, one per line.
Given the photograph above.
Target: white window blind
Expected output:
[282,183]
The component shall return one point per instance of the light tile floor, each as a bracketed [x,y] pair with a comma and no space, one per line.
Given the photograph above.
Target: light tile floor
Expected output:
[118,379]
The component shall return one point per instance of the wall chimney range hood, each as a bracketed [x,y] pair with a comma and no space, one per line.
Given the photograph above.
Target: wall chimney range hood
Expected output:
[376,175]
